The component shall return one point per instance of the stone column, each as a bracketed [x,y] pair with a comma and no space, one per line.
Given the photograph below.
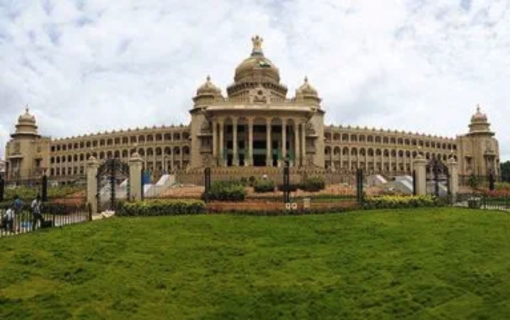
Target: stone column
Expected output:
[235,157]
[284,140]
[92,166]
[222,151]
[297,155]
[453,171]
[249,157]
[269,158]
[303,144]
[135,177]
[421,175]
[215,140]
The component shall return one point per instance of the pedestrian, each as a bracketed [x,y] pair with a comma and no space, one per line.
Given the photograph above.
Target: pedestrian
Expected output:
[36,212]
[8,220]
[17,207]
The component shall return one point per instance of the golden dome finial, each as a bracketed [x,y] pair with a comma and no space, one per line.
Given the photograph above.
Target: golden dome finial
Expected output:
[478,108]
[306,79]
[208,78]
[257,44]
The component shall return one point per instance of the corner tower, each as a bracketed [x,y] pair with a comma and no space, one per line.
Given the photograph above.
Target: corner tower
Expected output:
[478,149]
[26,153]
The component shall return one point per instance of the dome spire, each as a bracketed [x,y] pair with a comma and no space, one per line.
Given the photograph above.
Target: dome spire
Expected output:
[257,45]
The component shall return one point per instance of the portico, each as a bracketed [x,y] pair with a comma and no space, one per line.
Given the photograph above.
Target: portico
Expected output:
[257,140]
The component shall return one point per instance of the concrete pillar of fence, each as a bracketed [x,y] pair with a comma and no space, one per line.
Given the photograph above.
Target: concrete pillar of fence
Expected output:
[453,171]
[92,166]
[135,177]
[419,165]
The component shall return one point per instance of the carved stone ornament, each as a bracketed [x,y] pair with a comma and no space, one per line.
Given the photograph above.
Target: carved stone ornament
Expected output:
[310,130]
[206,127]
[259,95]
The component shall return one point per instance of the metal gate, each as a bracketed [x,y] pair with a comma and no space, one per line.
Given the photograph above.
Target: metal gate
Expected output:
[111,175]
[438,178]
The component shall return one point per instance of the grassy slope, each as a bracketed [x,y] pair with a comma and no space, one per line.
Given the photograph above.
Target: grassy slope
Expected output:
[419,264]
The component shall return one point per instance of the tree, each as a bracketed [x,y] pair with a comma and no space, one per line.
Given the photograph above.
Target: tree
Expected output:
[473,182]
[505,171]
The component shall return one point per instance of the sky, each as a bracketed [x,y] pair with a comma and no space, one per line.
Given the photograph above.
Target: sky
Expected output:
[86,66]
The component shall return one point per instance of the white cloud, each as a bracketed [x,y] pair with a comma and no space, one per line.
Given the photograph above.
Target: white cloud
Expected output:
[92,65]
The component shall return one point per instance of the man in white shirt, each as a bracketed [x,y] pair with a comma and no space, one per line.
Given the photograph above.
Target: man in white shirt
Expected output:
[36,212]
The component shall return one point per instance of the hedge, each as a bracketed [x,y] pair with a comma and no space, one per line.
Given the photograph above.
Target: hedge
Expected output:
[29,193]
[261,186]
[162,207]
[226,191]
[384,202]
[313,184]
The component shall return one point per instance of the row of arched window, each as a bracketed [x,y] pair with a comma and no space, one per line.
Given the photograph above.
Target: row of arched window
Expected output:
[361,138]
[176,136]
[385,153]
[121,154]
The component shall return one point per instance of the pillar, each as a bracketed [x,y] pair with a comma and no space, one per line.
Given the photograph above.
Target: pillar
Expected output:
[135,177]
[284,140]
[235,156]
[453,181]
[215,140]
[421,175]
[222,151]
[92,166]
[297,155]
[303,144]
[250,143]
[269,158]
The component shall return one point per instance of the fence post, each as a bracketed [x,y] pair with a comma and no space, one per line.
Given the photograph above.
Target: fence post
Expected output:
[207,183]
[89,207]
[286,183]
[359,185]
[414,182]
[44,189]
[2,188]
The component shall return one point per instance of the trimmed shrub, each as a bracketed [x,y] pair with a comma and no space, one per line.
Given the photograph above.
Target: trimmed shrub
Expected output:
[151,208]
[226,191]
[293,187]
[261,186]
[29,193]
[313,184]
[394,202]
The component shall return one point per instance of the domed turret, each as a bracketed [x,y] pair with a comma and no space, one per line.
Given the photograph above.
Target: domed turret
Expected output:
[254,72]
[207,92]
[479,123]
[26,125]
[478,117]
[307,93]
[257,65]
[208,88]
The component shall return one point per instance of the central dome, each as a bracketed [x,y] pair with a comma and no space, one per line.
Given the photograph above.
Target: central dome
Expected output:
[256,66]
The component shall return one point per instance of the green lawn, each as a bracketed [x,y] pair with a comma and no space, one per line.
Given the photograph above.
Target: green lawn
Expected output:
[407,264]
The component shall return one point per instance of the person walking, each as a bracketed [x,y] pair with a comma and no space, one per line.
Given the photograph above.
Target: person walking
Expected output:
[16,207]
[36,212]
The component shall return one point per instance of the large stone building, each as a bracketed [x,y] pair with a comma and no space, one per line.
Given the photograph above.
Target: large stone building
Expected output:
[254,125]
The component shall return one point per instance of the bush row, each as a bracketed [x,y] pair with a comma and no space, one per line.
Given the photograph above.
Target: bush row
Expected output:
[225,191]
[311,184]
[29,193]
[160,208]
[384,202]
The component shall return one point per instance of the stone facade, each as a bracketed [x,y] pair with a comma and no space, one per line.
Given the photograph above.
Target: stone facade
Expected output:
[254,125]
